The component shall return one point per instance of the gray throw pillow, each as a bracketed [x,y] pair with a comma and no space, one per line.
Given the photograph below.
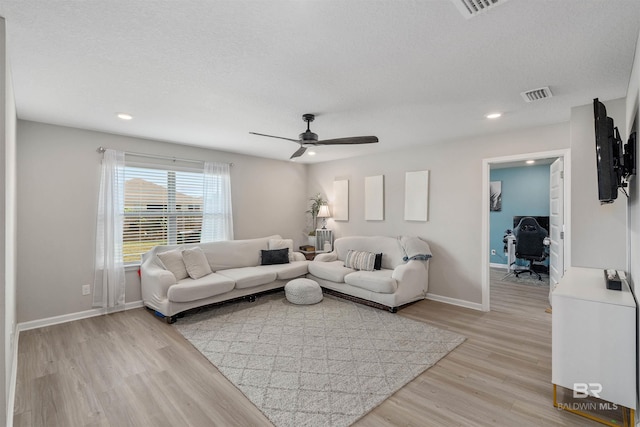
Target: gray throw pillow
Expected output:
[196,262]
[172,261]
[360,260]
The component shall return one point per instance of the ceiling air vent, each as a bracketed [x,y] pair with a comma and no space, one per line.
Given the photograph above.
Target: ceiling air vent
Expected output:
[537,94]
[471,8]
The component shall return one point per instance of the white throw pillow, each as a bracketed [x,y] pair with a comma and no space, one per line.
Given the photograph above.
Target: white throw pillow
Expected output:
[360,260]
[282,244]
[172,261]
[196,262]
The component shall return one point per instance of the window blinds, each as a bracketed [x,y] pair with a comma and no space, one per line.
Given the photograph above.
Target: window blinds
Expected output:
[161,206]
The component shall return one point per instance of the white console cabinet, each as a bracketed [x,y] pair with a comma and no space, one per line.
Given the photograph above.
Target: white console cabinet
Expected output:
[594,337]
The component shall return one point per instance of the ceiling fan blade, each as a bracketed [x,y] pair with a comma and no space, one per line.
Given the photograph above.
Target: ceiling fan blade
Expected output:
[350,140]
[298,152]
[273,136]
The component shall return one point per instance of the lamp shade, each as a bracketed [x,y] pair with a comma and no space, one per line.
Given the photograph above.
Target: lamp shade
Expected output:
[324,212]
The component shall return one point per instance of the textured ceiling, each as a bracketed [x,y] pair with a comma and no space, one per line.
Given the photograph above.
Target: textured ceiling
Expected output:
[207,73]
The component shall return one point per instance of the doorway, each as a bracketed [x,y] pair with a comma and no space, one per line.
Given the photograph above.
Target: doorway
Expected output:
[559,213]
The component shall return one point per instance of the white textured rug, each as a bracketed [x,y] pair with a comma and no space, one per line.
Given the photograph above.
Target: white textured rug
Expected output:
[326,364]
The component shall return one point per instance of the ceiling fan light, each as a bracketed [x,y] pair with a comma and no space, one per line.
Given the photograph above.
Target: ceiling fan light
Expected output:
[311,153]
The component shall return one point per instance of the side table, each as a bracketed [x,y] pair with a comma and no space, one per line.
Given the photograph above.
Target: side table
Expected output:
[309,255]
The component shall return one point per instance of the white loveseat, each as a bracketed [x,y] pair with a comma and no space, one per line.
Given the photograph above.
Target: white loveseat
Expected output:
[236,271]
[401,279]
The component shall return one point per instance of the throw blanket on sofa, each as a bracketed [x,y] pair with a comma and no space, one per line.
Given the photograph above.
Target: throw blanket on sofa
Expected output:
[414,248]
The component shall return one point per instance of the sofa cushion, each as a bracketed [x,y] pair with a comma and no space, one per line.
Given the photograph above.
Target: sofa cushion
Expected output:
[235,253]
[333,271]
[360,260]
[194,289]
[196,262]
[287,271]
[281,244]
[172,261]
[379,281]
[249,277]
[275,256]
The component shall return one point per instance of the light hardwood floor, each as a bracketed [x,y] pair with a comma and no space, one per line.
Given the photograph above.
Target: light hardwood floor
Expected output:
[131,369]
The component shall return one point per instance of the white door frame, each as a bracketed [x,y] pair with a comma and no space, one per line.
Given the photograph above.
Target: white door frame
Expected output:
[485,241]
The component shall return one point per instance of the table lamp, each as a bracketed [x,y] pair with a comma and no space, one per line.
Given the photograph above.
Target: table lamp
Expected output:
[324,214]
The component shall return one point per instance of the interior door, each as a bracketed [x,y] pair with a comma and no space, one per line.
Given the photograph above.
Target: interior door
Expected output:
[556,223]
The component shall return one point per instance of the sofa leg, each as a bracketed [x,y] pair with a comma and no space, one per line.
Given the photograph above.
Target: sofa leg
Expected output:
[251,298]
[170,319]
[393,309]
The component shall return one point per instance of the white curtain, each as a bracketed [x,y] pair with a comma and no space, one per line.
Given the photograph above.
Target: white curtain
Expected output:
[217,216]
[109,281]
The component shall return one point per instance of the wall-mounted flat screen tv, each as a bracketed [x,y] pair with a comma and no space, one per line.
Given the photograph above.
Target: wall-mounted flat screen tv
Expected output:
[615,162]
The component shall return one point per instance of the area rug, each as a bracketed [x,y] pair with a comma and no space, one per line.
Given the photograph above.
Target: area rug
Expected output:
[527,279]
[326,364]
[502,275]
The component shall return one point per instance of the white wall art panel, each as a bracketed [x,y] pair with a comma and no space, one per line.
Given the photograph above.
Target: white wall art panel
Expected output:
[341,200]
[374,198]
[416,196]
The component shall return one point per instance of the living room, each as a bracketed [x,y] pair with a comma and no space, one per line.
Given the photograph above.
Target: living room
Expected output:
[55,168]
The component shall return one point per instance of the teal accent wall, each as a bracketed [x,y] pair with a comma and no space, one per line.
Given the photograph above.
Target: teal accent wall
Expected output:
[525,191]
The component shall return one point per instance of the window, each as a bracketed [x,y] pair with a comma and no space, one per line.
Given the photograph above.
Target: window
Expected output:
[167,206]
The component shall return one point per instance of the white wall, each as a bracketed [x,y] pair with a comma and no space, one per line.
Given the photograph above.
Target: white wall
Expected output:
[633,238]
[454,228]
[599,231]
[633,114]
[4,378]
[58,180]
[7,227]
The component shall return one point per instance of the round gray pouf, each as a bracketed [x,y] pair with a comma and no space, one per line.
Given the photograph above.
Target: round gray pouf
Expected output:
[303,291]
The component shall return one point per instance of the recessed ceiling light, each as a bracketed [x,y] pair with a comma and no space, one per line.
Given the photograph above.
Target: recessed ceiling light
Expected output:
[124,116]
[493,115]
[530,162]
[312,153]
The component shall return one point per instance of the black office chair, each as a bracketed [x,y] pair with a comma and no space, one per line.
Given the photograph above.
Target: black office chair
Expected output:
[530,244]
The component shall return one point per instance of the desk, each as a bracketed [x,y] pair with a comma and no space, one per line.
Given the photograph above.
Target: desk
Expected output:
[511,253]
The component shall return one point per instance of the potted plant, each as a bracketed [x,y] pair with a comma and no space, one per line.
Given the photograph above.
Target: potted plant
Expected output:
[314,208]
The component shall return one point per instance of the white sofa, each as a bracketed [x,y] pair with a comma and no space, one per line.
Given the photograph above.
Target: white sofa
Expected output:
[236,271]
[403,277]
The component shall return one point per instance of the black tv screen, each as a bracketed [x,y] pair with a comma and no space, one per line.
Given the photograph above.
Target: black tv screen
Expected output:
[608,154]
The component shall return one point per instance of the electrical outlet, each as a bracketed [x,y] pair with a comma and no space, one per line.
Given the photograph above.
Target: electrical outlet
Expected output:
[493,251]
[86,289]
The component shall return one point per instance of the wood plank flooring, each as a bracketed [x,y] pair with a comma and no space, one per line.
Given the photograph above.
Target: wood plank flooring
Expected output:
[130,369]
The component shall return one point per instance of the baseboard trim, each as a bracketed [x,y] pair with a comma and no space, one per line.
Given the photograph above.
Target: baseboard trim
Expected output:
[455,301]
[11,398]
[56,320]
[495,265]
